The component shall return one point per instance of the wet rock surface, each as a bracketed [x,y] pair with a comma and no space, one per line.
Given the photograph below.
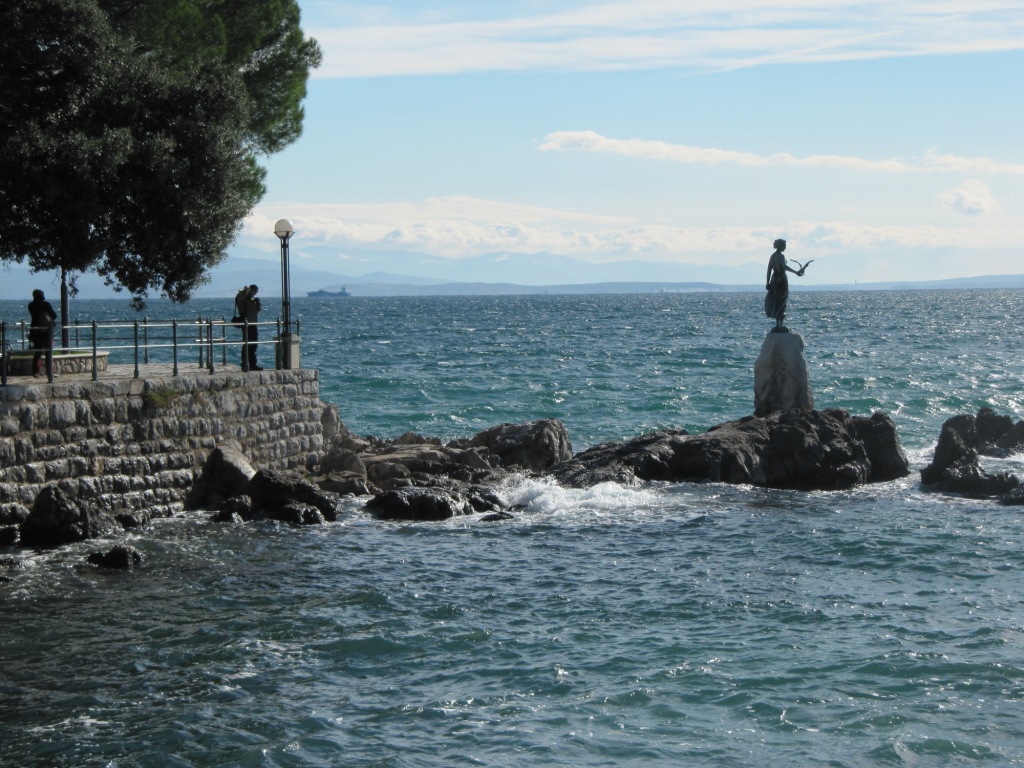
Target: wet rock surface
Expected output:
[955,465]
[419,478]
[121,557]
[56,518]
[813,450]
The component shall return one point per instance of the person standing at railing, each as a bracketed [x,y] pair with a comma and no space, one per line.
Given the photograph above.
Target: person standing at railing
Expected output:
[247,308]
[40,334]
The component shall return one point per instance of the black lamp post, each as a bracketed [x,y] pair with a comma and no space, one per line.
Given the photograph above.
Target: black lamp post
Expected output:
[284,230]
[289,354]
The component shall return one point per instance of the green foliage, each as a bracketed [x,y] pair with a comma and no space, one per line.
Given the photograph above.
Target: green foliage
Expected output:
[260,41]
[136,159]
[113,163]
[160,398]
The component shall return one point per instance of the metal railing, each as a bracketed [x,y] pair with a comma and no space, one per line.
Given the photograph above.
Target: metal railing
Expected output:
[142,342]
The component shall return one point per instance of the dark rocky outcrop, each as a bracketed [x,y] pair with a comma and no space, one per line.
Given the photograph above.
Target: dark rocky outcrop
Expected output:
[298,513]
[237,509]
[233,487]
[966,476]
[819,450]
[290,498]
[440,499]
[226,473]
[372,466]
[346,484]
[955,466]
[420,478]
[419,504]
[122,557]
[534,446]
[1014,498]
[369,465]
[56,519]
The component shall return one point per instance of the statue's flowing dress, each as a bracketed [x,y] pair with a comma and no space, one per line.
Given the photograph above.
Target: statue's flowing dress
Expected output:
[778,288]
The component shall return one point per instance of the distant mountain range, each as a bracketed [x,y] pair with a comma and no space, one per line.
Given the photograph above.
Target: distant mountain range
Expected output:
[405,274]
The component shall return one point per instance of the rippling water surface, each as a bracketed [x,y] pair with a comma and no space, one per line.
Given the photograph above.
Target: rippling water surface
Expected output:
[671,624]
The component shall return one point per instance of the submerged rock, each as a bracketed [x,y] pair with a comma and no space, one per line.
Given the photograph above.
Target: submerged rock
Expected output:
[955,466]
[441,499]
[288,497]
[300,513]
[123,557]
[967,477]
[418,504]
[814,450]
[1014,498]
[279,495]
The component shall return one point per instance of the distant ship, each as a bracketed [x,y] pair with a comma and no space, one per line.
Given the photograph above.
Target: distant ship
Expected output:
[329,294]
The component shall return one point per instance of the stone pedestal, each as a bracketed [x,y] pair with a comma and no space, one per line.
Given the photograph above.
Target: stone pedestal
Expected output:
[289,351]
[780,375]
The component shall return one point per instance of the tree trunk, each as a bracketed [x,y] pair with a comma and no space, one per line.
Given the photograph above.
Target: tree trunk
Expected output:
[65,340]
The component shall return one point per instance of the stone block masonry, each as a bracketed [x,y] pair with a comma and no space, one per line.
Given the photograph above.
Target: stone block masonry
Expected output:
[135,444]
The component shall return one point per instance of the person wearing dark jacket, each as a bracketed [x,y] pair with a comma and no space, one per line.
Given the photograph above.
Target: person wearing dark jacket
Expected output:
[247,308]
[40,335]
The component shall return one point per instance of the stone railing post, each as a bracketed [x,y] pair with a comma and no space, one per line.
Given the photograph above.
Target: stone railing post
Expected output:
[3,351]
[95,370]
[199,325]
[174,346]
[136,324]
[209,337]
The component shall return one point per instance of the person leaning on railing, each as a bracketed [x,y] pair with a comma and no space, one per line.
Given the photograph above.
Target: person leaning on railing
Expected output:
[247,309]
[40,334]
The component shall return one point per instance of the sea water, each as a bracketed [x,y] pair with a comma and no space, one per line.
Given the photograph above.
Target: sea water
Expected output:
[664,624]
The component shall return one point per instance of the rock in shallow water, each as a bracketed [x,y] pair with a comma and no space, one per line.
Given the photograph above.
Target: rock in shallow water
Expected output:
[418,504]
[534,446]
[288,497]
[813,450]
[225,473]
[121,557]
[56,519]
[955,466]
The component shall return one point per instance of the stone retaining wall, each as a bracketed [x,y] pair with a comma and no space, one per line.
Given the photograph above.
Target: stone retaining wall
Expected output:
[134,444]
[21,364]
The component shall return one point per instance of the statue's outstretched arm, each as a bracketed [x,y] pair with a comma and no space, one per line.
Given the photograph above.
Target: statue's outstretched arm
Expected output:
[803,267]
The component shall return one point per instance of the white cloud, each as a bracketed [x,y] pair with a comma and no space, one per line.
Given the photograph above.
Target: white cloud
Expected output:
[460,227]
[972,197]
[590,141]
[646,34]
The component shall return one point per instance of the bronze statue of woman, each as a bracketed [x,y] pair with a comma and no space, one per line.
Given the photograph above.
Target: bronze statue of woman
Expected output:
[777,284]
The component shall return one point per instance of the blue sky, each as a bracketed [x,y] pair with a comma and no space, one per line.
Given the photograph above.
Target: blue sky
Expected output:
[882,138]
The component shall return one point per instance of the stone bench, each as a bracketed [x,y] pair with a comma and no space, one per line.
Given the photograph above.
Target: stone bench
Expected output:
[20,364]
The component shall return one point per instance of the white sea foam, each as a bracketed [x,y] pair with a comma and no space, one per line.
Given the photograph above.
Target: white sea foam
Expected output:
[541,499]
